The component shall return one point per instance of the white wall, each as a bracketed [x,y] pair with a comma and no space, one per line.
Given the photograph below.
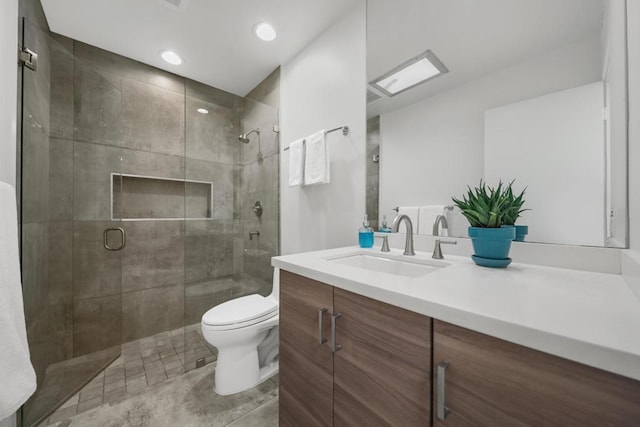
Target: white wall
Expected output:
[431,150]
[324,87]
[614,75]
[553,145]
[8,89]
[633,40]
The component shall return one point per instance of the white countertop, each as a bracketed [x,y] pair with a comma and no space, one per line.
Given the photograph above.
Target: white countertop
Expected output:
[591,318]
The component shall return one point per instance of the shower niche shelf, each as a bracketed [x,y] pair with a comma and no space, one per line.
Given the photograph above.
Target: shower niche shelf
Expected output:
[151,198]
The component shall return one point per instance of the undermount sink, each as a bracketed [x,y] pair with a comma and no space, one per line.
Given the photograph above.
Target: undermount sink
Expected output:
[390,264]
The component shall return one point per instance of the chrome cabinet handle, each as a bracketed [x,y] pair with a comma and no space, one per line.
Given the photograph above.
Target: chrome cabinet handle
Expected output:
[321,338]
[105,237]
[334,347]
[442,411]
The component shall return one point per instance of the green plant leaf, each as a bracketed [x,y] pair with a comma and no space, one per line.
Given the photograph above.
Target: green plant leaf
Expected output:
[490,207]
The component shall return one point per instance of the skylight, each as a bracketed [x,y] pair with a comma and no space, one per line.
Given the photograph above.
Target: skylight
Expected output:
[413,72]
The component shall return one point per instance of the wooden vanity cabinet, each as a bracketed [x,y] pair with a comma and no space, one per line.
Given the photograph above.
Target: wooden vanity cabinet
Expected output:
[306,364]
[491,382]
[380,375]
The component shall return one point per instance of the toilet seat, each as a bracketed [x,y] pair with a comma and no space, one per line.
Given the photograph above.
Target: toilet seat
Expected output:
[240,312]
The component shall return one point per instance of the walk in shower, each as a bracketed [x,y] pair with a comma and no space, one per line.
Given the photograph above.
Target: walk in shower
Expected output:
[137,209]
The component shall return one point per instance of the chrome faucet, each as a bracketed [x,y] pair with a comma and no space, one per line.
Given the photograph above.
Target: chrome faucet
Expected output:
[408,245]
[437,249]
[439,219]
[385,243]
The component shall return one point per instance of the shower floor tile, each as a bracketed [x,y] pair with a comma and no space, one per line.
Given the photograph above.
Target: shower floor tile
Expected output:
[186,400]
[143,364]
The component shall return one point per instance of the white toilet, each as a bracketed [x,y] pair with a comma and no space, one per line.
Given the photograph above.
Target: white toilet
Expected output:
[245,332]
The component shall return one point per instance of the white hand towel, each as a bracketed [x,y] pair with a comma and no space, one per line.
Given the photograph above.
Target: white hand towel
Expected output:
[17,376]
[458,224]
[412,213]
[427,216]
[296,163]
[316,159]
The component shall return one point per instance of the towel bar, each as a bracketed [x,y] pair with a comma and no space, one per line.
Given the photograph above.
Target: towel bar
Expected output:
[449,207]
[345,132]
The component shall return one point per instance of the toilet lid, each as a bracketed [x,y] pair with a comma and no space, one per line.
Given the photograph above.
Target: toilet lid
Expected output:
[241,310]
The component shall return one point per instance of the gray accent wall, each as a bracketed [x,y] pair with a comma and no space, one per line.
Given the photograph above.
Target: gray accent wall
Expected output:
[260,160]
[127,118]
[88,114]
[373,172]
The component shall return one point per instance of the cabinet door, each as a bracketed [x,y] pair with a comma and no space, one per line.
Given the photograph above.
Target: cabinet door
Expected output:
[306,365]
[382,372]
[491,382]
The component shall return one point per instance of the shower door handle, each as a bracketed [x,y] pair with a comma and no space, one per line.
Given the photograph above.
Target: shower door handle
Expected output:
[105,239]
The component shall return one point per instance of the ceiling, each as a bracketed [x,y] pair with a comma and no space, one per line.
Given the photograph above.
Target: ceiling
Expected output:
[213,37]
[472,38]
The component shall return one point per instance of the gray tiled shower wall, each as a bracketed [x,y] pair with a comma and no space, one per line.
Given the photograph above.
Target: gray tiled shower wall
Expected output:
[44,301]
[131,118]
[91,113]
[373,172]
[260,180]
[134,119]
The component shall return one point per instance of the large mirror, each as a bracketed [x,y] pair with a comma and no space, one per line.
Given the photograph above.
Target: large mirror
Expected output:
[526,90]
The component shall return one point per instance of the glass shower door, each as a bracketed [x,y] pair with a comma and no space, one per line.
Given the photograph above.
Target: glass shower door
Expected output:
[71,281]
[228,246]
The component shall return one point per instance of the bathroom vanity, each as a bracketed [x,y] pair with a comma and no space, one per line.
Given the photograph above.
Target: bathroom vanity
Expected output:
[457,345]
[381,367]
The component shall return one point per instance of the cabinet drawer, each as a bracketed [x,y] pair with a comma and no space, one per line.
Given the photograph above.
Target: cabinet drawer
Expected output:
[491,382]
[306,365]
[382,373]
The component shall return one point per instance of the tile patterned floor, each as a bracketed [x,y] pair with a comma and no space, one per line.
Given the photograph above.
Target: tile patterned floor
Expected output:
[142,365]
[186,400]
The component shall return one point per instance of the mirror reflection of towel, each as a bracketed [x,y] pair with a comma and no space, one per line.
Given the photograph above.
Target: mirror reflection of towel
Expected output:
[412,213]
[427,217]
[316,167]
[458,224]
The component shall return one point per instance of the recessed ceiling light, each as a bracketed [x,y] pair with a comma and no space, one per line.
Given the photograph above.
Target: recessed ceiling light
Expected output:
[171,57]
[265,31]
[409,74]
[202,111]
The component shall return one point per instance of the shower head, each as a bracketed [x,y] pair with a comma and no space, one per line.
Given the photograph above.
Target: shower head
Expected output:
[245,136]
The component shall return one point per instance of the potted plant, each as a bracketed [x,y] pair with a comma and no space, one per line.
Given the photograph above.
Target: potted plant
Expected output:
[512,211]
[484,208]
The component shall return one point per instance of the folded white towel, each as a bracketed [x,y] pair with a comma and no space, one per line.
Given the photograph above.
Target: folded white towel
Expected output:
[427,216]
[412,213]
[458,224]
[17,376]
[316,159]
[296,163]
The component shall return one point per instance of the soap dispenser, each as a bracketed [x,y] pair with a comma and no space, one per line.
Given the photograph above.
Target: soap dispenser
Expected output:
[384,227]
[365,234]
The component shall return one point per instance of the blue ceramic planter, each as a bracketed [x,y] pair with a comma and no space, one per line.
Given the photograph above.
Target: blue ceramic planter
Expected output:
[521,232]
[492,243]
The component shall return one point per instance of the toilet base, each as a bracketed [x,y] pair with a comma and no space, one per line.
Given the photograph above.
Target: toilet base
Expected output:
[268,371]
[243,375]
[247,363]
